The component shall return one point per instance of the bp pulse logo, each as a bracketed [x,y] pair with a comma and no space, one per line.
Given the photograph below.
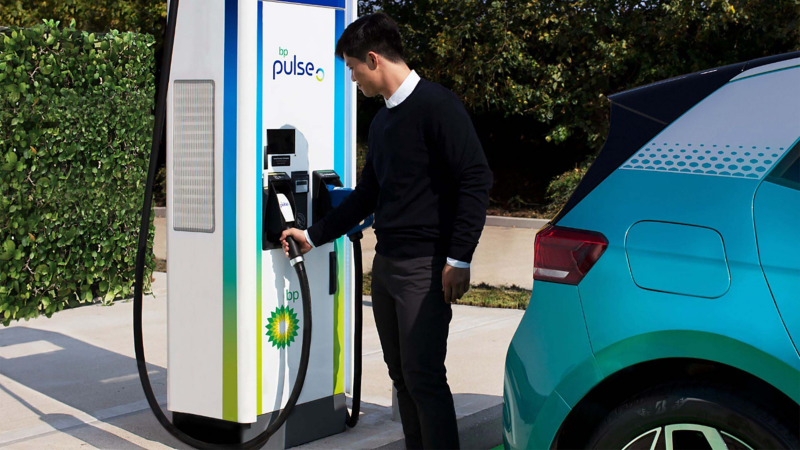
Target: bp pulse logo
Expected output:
[292,66]
[282,327]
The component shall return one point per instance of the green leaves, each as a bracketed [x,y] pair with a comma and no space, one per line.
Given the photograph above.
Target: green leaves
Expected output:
[549,61]
[141,16]
[7,254]
[73,154]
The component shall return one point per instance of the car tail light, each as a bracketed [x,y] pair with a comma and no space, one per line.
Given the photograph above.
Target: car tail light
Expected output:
[565,255]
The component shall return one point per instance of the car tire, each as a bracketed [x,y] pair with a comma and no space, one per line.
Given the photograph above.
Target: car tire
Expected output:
[688,412]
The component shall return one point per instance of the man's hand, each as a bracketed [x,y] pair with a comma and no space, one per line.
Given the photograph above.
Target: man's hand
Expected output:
[298,237]
[455,283]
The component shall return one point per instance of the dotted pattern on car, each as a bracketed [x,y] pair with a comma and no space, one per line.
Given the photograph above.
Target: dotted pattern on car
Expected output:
[722,160]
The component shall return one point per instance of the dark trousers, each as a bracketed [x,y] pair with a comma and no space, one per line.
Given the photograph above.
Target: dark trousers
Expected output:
[413,323]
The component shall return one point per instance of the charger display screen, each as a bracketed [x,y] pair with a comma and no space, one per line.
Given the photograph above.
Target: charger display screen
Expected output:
[280,142]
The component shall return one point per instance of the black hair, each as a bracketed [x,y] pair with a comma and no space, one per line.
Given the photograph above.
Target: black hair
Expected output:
[371,33]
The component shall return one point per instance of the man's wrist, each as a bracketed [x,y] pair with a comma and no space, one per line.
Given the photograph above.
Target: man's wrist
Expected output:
[457,264]
[308,239]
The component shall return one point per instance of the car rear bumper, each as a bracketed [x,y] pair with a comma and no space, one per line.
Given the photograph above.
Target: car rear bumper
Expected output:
[549,367]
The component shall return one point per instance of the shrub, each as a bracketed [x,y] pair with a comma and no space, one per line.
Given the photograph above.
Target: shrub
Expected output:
[160,187]
[561,187]
[75,129]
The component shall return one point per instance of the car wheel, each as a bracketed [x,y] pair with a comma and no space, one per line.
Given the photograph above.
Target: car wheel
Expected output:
[693,416]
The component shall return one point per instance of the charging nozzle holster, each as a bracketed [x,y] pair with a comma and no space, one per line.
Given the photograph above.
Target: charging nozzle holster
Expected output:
[321,202]
[328,194]
[279,209]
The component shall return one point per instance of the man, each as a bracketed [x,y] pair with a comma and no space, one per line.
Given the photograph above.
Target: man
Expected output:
[427,181]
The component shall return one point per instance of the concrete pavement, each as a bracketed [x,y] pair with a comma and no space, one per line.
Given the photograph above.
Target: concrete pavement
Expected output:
[160,239]
[71,381]
[504,255]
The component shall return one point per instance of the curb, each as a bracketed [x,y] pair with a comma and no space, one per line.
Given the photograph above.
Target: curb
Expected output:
[160,211]
[515,222]
[481,430]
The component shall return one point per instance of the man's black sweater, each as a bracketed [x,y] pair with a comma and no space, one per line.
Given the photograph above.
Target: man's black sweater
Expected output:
[425,178]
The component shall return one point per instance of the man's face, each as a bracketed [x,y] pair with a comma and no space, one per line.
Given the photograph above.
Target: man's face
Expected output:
[364,74]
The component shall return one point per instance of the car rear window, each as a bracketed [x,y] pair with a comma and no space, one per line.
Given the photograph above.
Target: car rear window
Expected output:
[787,172]
[793,172]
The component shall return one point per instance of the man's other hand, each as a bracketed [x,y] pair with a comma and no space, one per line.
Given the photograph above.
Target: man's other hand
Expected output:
[455,283]
[298,237]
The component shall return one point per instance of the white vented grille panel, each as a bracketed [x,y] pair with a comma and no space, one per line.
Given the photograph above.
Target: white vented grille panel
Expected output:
[193,156]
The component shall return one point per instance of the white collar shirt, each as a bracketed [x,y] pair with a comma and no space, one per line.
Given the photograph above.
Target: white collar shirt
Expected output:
[404,90]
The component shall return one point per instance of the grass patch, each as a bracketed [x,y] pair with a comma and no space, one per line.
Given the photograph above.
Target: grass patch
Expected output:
[482,294]
[368,283]
[513,297]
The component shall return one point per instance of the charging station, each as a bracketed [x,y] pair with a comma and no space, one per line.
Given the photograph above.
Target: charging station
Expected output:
[260,126]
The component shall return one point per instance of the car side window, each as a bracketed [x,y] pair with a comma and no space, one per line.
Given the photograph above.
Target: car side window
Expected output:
[787,172]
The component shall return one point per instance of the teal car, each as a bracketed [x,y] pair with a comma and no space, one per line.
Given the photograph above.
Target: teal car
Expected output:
[665,311]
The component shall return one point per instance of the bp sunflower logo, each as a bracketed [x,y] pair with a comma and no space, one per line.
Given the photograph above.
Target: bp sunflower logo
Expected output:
[282,327]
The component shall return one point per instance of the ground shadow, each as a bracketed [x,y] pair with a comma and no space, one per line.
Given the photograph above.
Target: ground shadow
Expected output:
[479,425]
[82,376]
[77,374]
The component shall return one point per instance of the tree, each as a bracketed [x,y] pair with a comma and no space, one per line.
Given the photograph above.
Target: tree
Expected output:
[546,66]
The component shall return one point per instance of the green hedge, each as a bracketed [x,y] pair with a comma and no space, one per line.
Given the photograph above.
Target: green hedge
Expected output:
[75,132]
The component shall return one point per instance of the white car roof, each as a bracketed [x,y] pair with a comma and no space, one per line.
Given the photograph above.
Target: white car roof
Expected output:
[768,68]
